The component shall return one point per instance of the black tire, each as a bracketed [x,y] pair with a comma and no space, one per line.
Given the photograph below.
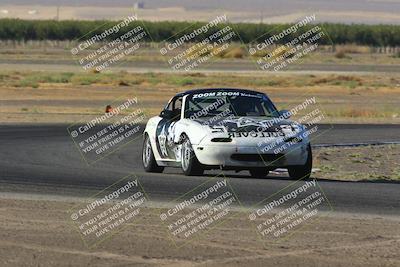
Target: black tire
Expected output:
[259,172]
[148,160]
[302,171]
[189,163]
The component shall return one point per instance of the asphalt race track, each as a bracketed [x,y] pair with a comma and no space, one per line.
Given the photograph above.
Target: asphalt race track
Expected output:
[42,159]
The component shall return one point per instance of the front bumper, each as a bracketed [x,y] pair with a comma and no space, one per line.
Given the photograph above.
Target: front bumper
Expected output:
[230,155]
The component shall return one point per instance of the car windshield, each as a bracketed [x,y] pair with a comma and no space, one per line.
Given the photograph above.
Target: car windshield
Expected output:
[227,103]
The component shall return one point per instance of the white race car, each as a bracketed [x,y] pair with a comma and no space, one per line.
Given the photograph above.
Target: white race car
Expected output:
[229,129]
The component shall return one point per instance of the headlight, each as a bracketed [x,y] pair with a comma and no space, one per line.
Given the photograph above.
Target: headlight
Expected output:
[221,139]
[217,129]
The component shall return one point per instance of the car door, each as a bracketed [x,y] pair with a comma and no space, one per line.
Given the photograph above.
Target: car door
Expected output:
[165,132]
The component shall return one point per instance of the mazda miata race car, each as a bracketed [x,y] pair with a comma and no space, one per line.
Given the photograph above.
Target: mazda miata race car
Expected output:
[229,129]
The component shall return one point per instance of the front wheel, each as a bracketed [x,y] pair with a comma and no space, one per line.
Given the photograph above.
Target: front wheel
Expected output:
[302,171]
[189,163]
[148,160]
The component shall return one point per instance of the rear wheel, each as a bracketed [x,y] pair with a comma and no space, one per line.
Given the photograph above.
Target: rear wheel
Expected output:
[148,160]
[259,172]
[189,163]
[302,171]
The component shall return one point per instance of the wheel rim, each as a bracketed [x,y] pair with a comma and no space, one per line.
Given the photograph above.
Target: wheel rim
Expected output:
[185,155]
[147,152]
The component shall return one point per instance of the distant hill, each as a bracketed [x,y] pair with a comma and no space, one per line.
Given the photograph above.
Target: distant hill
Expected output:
[270,11]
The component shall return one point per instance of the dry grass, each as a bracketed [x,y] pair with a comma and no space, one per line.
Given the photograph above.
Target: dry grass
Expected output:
[51,52]
[340,54]
[353,49]
[235,52]
[36,79]
[345,98]
[231,52]
[342,51]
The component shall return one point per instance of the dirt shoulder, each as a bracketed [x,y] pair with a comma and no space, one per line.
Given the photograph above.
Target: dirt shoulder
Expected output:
[372,163]
[38,233]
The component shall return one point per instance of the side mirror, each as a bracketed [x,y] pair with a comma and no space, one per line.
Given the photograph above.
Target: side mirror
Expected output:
[285,113]
[167,114]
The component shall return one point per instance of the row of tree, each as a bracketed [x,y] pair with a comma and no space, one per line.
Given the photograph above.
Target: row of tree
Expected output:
[371,35]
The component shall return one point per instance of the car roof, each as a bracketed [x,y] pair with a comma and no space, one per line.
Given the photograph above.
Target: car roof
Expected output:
[205,90]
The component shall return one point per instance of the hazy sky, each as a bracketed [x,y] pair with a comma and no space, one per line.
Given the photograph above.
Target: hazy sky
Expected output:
[348,11]
[375,5]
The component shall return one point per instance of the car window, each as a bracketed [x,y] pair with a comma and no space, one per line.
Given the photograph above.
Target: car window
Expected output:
[234,103]
[177,103]
[169,105]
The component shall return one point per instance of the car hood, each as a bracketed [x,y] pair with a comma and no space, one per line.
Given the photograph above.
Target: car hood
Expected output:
[248,124]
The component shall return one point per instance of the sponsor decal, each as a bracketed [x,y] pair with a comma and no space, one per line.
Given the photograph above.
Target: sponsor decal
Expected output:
[226,93]
[165,140]
[255,134]
[248,125]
